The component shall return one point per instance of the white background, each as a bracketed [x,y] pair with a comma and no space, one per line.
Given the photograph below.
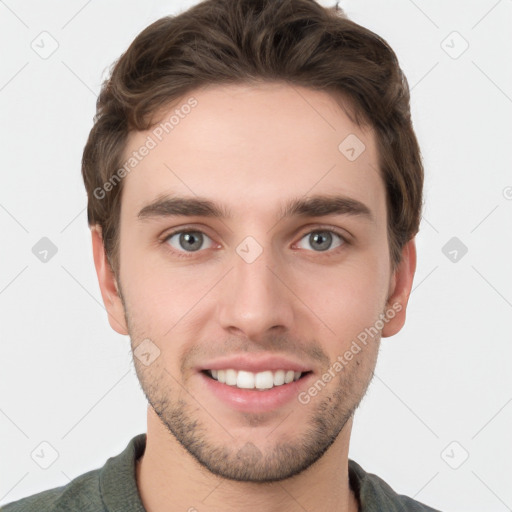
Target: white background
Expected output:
[68,379]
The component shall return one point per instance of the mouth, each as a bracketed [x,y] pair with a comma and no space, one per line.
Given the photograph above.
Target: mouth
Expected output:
[254,383]
[260,381]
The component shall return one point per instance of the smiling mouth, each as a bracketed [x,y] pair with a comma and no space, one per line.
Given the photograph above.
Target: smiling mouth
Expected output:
[261,381]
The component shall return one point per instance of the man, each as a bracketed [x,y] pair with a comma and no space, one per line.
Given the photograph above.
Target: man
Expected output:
[229,141]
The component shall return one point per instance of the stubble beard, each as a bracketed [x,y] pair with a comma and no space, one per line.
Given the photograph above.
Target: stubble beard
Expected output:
[328,412]
[191,426]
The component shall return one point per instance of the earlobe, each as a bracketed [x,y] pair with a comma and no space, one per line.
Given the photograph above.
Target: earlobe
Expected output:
[400,290]
[108,284]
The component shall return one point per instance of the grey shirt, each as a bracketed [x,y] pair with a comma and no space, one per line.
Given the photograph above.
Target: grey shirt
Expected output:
[113,488]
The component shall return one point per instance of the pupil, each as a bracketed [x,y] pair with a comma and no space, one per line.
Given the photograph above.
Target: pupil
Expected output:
[189,239]
[322,239]
[326,236]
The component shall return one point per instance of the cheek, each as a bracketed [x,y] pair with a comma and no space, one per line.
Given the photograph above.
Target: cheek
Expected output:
[347,296]
[347,299]
[162,299]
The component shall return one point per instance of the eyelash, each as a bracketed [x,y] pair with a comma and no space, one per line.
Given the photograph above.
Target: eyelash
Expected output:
[328,253]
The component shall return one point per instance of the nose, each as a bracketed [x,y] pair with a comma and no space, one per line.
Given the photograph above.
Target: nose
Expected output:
[255,297]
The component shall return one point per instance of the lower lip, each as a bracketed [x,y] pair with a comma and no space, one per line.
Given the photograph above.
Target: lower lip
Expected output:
[253,400]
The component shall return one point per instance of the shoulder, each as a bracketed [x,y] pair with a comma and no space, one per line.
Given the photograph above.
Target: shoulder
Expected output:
[112,486]
[375,495]
[82,493]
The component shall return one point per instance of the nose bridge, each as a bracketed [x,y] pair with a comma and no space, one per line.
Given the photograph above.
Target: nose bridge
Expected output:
[254,300]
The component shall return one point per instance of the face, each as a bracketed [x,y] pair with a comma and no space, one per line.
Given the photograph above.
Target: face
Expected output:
[254,250]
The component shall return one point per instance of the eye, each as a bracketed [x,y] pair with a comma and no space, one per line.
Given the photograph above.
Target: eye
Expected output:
[188,241]
[322,239]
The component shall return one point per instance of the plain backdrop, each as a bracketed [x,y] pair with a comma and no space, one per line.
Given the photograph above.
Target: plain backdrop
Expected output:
[436,421]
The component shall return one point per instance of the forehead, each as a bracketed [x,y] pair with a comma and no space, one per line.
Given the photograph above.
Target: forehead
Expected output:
[251,147]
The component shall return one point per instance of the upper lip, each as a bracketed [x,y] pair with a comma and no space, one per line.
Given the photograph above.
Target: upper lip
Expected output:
[255,364]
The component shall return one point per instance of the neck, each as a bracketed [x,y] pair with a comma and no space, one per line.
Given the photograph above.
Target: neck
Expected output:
[170,479]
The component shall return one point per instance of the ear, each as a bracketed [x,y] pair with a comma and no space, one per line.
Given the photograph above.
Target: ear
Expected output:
[399,290]
[108,284]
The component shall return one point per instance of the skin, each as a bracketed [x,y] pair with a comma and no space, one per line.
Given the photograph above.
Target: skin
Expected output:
[264,145]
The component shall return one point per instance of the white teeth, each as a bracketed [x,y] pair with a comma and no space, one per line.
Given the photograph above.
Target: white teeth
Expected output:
[279,378]
[245,380]
[264,380]
[289,376]
[231,377]
[249,380]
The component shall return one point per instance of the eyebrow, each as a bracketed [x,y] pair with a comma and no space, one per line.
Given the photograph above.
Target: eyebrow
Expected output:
[313,206]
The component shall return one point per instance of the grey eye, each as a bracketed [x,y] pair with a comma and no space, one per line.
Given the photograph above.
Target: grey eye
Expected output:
[188,241]
[321,240]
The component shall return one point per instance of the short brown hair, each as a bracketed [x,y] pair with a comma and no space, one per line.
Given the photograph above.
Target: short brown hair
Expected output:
[227,42]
